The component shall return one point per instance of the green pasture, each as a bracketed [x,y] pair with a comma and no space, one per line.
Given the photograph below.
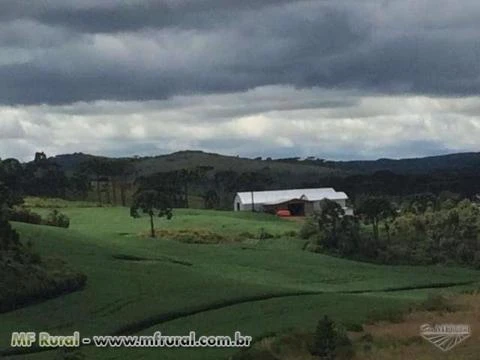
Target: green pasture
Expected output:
[255,286]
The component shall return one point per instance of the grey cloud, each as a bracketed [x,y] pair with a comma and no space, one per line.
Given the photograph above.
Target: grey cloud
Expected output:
[260,51]
[30,34]
[221,107]
[114,16]
[11,129]
[153,50]
[389,126]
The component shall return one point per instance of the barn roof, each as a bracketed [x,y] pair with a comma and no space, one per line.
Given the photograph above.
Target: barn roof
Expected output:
[276,196]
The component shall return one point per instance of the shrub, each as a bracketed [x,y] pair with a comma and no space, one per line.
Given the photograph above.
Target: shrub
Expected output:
[9,238]
[309,228]
[246,235]
[263,234]
[56,218]
[25,216]
[344,346]
[27,283]
[330,341]
[354,327]
[194,236]
[324,342]
[35,258]
[314,247]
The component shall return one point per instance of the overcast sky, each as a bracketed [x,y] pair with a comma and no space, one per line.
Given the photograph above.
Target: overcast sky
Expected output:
[337,79]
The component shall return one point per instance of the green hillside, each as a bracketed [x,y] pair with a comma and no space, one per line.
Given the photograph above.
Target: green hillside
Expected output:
[139,285]
[191,159]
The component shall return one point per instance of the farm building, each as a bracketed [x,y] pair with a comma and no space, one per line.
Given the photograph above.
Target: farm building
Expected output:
[299,202]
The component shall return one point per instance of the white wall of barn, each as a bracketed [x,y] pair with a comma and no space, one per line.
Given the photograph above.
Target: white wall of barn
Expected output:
[239,206]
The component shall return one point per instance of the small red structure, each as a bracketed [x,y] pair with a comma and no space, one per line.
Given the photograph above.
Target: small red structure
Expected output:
[284,213]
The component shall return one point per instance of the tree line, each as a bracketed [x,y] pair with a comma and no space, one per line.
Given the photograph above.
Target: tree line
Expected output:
[417,230]
[109,179]
[114,181]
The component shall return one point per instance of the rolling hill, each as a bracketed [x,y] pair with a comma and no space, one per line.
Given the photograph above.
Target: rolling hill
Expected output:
[190,159]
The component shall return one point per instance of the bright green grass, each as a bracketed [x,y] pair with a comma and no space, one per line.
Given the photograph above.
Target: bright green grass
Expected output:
[116,220]
[120,293]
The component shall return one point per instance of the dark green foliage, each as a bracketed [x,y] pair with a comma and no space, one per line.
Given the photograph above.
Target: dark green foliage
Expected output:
[227,174]
[420,236]
[330,341]
[211,199]
[97,168]
[36,284]
[263,234]
[68,176]
[309,228]
[375,209]
[325,339]
[110,178]
[24,215]
[11,182]
[44,177]
[348,238]
[354,327]
[78,186]
[56,218]
[328,220]
[25,277]
[41,177]
[439,236]
[170,184]
[9,239]
[331,229]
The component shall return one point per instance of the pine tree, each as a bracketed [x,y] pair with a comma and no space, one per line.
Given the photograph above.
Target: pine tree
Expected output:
[324,342]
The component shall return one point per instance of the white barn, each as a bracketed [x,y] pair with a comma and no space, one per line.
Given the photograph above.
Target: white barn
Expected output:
[299,202]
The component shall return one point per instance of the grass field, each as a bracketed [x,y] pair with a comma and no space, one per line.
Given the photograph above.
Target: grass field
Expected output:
[140,285]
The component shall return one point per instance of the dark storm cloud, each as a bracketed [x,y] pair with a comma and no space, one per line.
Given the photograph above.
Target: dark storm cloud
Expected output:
[60,52]
[113,16]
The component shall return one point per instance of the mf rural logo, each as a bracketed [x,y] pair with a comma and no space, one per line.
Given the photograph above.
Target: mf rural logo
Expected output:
[445,336]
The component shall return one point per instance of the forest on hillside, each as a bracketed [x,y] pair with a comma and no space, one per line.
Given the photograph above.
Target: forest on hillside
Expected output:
[202,180]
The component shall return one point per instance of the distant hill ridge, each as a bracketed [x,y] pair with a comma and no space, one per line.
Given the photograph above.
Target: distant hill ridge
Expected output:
[456,161]
[192,158]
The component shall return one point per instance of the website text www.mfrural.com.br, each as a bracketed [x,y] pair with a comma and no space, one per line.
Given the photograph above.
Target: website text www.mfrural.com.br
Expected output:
[46,340]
